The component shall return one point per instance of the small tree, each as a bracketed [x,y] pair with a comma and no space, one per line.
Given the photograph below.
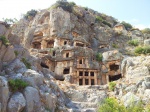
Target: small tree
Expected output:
[10,21]
[31,13]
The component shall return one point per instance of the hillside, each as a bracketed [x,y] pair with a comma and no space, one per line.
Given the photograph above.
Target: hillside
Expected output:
[65,58]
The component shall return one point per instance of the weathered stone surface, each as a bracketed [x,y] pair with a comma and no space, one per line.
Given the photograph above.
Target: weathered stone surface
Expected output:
[112,55]
[34,77]
[7,53]
[146,85]
[16,67]
[134,68]
[33,103]
[4,93]
[132,88]
[50,101]
[2,29]
[63,26]
[130,98]
[147,42]
[137,72]
[137,35]
[16,103]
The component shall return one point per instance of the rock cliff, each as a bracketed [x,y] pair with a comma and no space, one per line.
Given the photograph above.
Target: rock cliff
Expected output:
[63,58]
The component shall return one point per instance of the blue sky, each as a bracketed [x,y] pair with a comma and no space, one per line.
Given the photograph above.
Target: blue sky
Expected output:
[136,12]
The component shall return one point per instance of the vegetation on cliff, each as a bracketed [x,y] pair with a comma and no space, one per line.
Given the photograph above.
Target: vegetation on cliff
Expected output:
[112,105]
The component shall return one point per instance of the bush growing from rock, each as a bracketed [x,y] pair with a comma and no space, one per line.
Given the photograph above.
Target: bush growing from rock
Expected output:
[142,50]
[67,6]
[32,13]
[99,57]
[99,19]
[106,23]
[4,40]
[133,42]
[17,84]
[16,53]
[27,64]
[112,105]
[114,45]
[112,86]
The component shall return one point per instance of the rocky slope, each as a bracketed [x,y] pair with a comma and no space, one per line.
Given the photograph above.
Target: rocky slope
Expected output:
[23,47]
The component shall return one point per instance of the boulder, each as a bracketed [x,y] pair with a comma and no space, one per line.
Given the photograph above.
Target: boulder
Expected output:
[34,76]
[130,98]
[16,67]
[50,101]
[131,88]
[146,85]
[33,103]
[16,103]
[4,93]
[147,42]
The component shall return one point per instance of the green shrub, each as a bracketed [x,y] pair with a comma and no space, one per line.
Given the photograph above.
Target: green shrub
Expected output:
[112,86]
[72,3]
[67,6]
[106,23]
[17,84]
[146,30]
[115,46]
[111,105]
[133,42]
[133,107]
[86,8]
[142,50]
[16,53]
[32,13]
[128,26]
[27,64]
[99,19]
[4,40]
[99,57]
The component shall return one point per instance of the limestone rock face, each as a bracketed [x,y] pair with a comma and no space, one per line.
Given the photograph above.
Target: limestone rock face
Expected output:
[16,103]
[35,77]
[4,93]
[112,55]
[16,67]
[33,103]
[60,22]
[50,101]
[147,42]
[130,98]
[137,35]
[3,29]
[7,53]
[136,67]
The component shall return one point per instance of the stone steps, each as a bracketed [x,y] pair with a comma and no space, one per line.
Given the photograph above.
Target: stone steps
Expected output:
[83,110]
